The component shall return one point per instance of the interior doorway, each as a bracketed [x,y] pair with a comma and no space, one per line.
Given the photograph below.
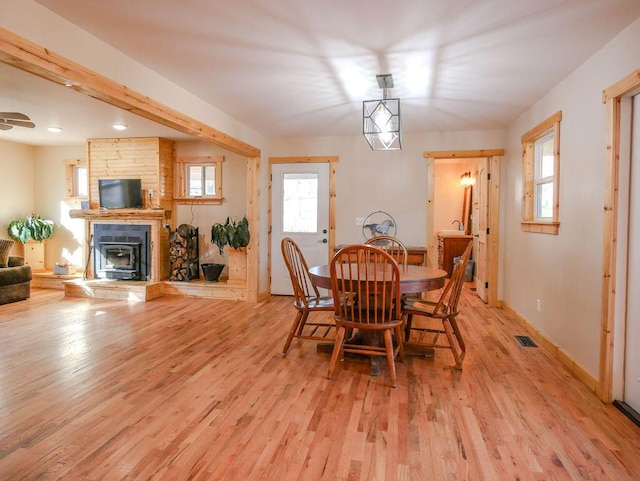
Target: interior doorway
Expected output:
[616,217]
[486,166]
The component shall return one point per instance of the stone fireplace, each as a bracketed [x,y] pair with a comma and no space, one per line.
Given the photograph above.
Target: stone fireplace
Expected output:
[122,251]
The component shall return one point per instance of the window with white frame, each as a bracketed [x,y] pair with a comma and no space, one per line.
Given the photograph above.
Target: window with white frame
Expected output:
[544,177]
[199,179]
[540,173]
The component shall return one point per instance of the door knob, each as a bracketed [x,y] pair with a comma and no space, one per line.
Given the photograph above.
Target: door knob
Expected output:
[323,241]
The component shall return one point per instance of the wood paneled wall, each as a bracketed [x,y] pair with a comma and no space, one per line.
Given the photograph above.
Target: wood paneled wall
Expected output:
[149,159]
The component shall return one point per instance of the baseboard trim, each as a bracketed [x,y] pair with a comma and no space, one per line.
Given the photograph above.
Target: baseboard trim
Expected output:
[542,340]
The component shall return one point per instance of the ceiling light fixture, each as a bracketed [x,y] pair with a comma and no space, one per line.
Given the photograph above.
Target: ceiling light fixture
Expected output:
[466,180]
[119,126]
[381,119]
[54,130]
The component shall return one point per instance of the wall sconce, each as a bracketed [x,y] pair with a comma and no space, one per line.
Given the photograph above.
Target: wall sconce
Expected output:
[466,180]
[381,119]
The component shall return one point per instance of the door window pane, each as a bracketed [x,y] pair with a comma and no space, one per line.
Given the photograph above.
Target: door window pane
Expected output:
[300,203]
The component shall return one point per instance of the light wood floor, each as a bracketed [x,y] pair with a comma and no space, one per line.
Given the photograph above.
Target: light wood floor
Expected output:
[197,389]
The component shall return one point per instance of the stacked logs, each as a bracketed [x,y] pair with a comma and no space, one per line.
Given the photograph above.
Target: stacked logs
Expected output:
[183,253]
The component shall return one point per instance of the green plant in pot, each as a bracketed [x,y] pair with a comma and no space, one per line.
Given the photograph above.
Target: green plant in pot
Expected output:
[232,233]
[33,227]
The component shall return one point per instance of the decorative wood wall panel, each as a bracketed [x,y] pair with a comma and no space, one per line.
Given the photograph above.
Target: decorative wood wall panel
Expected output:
[150,159]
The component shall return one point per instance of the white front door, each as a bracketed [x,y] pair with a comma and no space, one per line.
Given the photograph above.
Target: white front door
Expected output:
[299,210]
[632,347]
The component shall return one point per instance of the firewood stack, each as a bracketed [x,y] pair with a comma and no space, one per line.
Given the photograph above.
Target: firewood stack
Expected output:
[183,253]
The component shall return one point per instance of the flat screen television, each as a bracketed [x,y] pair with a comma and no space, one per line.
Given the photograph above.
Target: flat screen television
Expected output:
[120,193]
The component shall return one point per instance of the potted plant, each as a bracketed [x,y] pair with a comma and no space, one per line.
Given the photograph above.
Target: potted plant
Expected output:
[33,227]
[32,231]
[235,234]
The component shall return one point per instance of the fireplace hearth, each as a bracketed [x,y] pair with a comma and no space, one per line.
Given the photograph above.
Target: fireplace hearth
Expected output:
[121,251]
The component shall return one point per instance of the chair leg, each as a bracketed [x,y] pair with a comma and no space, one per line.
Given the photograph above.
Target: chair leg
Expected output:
[293,331]
[458,334]
[337,347]
[449,332]
[302,322]
[400,343]
[388,343]
[407,327]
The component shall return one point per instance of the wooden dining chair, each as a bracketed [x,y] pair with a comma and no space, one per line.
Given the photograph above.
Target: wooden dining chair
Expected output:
[444,310]
[365,282]
[393,246]
[307,299]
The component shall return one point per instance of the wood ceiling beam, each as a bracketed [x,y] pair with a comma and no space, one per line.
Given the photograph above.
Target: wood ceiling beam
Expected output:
[26,55]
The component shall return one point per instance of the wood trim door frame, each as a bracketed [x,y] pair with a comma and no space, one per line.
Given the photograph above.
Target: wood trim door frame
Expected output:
[493,222]
[612,97]
[332,160]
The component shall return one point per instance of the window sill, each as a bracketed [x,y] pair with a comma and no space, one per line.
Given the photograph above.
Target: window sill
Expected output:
[199,200]
[540,227]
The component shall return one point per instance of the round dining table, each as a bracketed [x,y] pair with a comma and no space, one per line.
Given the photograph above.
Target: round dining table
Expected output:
[413,279]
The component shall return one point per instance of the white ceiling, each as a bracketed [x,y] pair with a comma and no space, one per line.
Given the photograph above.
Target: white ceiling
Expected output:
[292,68]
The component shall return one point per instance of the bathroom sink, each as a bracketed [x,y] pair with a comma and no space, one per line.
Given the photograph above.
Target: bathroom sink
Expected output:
[451,232]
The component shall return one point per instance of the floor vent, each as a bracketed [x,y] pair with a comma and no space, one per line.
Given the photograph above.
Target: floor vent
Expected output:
[526,341]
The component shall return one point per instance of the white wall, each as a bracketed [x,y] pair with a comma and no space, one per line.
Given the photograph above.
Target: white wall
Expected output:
[234,190]
[394,182]
[50,184]
[565,271]
[17,191]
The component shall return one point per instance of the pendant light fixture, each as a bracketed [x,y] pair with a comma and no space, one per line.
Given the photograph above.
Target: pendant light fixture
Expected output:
[381,119]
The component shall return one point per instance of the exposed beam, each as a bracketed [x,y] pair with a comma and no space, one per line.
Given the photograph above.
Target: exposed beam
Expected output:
[26,55]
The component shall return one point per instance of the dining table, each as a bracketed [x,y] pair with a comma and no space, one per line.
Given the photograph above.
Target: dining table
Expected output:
[413,280]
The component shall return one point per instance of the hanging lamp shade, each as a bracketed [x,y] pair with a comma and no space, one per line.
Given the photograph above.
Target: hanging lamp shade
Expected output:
[381,124]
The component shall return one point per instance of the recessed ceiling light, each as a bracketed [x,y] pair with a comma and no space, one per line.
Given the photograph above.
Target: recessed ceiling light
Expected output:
[54,130]
[119,126]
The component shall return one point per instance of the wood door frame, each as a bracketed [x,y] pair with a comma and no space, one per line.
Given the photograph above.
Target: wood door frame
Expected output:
[612,97]
[332,160]
[493,166]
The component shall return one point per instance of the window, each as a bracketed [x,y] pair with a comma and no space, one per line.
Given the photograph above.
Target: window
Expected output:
[199,179]
[300,203]
[77,179]
[540,172]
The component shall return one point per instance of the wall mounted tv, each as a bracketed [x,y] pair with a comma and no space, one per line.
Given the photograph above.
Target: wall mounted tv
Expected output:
[120,193]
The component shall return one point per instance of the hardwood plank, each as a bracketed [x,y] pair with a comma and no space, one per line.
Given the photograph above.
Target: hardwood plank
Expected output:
[186,388]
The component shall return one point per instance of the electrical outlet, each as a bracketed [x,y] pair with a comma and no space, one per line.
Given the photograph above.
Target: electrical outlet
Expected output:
[360,220]
[150,192]
[538,305]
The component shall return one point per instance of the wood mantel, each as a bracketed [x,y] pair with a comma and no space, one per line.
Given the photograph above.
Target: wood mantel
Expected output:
[119,214]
